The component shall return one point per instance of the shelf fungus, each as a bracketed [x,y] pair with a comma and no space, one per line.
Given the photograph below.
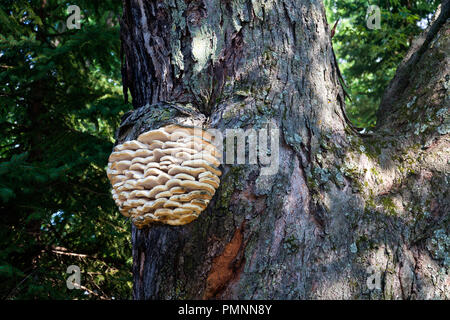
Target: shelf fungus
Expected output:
[167,175]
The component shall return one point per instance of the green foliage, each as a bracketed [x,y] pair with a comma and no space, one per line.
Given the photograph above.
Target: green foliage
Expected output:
[367,57]
[61,102]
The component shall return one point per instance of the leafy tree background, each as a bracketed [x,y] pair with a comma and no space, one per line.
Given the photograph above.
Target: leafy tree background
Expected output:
[60,104]
[367,57]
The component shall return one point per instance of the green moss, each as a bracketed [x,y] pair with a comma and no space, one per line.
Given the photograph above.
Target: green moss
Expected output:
[370,205]
[389,206]
[291,244]
[439,246]
[350,171]
[165,115]
[227,186]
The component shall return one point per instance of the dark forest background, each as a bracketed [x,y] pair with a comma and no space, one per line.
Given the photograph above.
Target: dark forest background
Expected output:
[61,101]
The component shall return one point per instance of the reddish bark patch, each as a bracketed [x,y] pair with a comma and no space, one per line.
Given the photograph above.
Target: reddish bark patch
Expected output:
[248,194]
[195,12]
[226,267]
[260,204]
[141,267]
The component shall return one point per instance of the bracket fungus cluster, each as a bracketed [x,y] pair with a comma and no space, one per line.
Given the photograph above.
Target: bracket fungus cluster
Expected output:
[167,175]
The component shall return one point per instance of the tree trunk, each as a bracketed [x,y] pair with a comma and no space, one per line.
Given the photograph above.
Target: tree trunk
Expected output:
[344,210]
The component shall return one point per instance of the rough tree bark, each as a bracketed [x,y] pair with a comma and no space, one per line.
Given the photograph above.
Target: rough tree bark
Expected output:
[340,203]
